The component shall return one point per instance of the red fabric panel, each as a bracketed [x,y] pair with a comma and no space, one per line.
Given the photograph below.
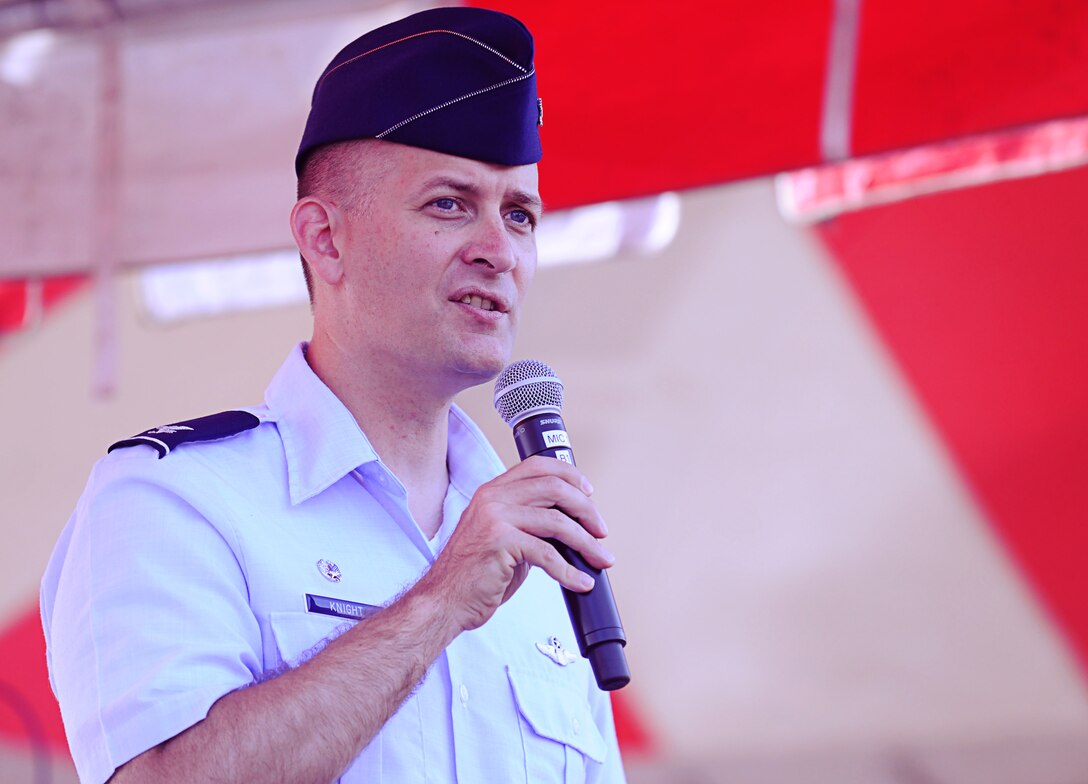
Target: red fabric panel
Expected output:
[12,304]
[982,296]
[934,69]
[13,298]
[24,673]
[640,98]
[632,733]
[57,289]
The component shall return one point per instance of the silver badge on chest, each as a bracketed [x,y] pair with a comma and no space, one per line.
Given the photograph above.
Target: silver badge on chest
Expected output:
[555,651]
[329,570]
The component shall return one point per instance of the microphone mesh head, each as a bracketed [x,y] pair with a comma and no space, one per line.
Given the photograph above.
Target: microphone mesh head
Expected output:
[527,387]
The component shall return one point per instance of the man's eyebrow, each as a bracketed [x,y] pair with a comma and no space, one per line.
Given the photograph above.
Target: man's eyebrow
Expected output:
[527,199]
[449,182]
[518,196]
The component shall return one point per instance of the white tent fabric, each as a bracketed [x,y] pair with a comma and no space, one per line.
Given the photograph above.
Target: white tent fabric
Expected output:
[196,162]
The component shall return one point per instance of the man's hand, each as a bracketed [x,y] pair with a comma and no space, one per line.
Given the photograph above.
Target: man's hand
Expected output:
[502,532]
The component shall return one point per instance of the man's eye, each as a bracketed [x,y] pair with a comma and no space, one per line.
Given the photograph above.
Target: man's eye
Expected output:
[522,217]
[445,204]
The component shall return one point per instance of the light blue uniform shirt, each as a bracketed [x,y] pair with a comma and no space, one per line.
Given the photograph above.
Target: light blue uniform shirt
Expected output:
[179,580]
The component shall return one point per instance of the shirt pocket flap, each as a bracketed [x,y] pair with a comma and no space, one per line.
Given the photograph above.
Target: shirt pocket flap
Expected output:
[558,712]
[300,635]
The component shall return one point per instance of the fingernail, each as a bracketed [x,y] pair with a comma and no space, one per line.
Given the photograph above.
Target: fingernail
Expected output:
[586,581]
[604,527]
[611,558]
[587,487]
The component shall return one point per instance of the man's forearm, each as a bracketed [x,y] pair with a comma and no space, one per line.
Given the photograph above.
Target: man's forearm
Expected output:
[286,728]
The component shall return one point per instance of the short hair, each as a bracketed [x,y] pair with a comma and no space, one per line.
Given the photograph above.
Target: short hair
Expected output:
[343,173]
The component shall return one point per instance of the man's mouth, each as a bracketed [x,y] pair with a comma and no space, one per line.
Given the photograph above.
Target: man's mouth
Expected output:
[477,301]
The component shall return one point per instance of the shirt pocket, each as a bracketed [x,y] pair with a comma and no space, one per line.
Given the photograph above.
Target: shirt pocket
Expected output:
[299,635]
[562,733]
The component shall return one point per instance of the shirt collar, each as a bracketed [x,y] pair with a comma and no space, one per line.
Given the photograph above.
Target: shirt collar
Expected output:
[469,456]
[322,441]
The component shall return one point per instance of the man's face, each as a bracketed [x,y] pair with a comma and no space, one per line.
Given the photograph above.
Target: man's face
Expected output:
[437,263]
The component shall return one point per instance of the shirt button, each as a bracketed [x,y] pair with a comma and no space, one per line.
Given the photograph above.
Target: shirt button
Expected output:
[464,694]
[575,725]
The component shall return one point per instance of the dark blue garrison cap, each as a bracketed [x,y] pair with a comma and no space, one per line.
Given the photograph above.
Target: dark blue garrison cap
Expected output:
[459,81]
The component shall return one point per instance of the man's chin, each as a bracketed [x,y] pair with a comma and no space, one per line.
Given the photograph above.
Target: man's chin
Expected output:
[482,367]
[481,372]
[478,359]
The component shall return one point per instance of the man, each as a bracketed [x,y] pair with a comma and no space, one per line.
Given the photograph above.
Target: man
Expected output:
[337,584]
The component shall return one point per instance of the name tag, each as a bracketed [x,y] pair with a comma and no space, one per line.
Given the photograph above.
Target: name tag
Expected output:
[340,608]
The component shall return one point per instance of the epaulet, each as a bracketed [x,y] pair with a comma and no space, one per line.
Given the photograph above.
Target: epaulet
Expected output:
[208,428]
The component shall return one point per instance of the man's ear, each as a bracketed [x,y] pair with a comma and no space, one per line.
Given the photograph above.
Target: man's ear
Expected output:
[313,224]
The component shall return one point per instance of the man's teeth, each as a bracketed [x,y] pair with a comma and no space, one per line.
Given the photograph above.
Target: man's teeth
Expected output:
[477,302]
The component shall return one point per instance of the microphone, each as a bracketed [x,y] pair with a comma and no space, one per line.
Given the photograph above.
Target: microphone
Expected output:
[529,398]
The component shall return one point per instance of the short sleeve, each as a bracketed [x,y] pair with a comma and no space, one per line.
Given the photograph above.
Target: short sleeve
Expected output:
[145,609]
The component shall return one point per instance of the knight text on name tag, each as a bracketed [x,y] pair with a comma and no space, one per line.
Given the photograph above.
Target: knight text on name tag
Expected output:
[340,608]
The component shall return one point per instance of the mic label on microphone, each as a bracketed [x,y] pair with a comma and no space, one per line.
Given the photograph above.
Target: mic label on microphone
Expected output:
[554,438]
[565,455]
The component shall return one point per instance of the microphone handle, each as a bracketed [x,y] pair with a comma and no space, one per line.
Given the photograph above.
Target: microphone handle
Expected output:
[593,614]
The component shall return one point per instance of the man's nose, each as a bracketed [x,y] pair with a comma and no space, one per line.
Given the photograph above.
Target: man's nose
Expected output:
[492,245]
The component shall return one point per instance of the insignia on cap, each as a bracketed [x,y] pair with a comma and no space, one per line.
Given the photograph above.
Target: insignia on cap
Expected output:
[329,570]
[555,651]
